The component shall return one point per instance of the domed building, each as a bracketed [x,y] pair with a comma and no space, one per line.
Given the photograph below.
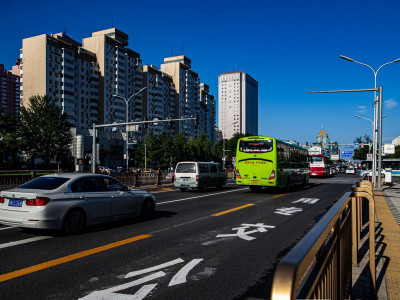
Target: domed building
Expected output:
[323,139]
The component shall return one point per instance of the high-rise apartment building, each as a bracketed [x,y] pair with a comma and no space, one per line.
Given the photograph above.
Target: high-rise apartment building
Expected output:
[93,81]
[158,99]
[120,74]
[9,90]
[238,104]
[187,87]
[207,114]
[57,66]
[192,98]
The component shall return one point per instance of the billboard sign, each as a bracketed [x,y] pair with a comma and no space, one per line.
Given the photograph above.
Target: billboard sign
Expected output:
[388,149]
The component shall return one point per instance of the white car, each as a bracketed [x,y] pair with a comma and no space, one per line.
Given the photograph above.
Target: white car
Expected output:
[71,201]
[350,170]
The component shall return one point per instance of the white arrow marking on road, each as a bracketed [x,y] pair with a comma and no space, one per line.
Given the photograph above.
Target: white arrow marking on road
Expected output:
[180,277]
[109,293]
[307,200]
[288,211]
[158,267]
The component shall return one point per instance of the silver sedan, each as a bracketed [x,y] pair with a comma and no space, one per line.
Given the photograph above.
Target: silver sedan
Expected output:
[71,201]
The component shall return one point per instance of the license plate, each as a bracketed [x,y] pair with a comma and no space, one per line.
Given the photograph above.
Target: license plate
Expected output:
[254,182]
[185,179]
[17,203]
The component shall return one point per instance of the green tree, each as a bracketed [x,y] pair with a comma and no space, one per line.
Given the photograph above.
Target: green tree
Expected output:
[361,153]
[153,150]
[45,130]
[180,149]
[10,141]
[204,147]
[167,144]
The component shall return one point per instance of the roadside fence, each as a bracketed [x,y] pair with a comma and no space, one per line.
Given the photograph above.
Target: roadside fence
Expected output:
[320,265]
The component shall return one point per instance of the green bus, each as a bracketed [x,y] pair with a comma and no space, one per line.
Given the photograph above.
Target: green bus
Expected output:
[267,162]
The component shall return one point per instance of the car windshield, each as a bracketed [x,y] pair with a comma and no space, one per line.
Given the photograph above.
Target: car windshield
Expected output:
[44,183]
[186,168]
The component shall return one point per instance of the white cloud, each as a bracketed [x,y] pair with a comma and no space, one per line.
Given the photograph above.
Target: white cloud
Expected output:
[362,109]
[391,103]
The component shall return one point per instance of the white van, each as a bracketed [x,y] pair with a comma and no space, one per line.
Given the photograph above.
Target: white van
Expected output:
[199,175]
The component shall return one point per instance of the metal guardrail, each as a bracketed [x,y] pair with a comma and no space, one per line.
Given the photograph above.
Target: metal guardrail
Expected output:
[320,265]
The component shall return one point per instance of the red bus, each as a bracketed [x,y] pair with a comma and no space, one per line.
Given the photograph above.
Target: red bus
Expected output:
[319,165]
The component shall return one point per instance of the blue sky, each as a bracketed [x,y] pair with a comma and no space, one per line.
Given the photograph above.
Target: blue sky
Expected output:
[290,47]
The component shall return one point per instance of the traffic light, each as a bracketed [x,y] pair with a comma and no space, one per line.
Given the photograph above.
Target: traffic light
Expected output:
[196,119]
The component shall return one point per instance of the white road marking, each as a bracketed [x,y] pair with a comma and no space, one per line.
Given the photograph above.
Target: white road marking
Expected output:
[158,267]
[288,211]
[7,228]
[109,293]
[25,241]
[202,196]
[260,227]
[307,200]
[180,277]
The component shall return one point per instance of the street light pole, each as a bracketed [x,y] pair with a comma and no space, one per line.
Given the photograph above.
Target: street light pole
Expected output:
[377,114]
[126,120]
[372,123]
[223,144]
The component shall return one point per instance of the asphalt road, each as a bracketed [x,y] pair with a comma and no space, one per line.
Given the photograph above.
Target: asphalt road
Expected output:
[218,244]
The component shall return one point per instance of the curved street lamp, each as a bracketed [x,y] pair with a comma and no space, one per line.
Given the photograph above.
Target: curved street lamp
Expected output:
[126,120]
[377,124]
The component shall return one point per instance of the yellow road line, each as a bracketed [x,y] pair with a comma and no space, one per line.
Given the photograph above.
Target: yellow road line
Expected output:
[68,258]
[280,195]
[231,210]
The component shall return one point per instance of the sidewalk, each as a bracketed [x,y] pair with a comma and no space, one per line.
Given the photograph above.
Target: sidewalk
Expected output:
[387,208]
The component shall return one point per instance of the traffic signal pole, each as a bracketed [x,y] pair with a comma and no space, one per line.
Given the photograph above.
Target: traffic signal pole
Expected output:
[95,127]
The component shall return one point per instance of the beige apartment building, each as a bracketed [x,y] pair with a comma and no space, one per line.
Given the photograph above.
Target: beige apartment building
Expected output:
[120,74]
[57,66]
[187,85]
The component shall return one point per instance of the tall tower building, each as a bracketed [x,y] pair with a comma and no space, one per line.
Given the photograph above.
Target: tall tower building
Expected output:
[56,65]
[120,74]
[238,104]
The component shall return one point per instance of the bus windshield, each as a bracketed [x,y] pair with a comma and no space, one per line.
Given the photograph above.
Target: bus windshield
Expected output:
[317,159]
[261,146]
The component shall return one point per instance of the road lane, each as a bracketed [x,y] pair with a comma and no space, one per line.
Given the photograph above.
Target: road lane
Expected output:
[183,230]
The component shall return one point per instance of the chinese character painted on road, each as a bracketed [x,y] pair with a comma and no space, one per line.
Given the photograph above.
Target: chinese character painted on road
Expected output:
[288,211]
[243,234]
[306,200]
[179,278]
